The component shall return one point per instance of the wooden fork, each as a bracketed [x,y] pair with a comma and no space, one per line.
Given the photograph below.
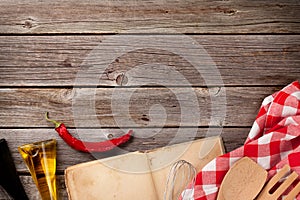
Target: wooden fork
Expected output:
[265,193]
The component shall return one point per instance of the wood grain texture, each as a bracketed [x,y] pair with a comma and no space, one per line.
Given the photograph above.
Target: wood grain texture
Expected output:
[33,193]
[240,59]
[71,16]
[132,107]
[45,45]
[144,139]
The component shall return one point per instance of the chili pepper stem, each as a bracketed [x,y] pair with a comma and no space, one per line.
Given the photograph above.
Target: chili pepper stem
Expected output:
[57,124]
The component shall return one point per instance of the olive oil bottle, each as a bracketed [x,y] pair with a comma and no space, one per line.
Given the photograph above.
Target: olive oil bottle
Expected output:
[40,158]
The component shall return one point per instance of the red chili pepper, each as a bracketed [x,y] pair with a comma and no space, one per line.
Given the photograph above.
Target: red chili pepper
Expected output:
[87,146]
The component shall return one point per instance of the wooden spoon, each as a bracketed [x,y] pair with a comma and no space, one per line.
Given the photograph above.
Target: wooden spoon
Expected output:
[243,181]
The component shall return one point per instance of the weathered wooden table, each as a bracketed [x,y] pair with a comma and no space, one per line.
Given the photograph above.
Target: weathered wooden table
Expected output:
[46,45]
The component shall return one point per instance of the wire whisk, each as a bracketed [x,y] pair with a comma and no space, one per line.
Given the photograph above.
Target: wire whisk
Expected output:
[180,175]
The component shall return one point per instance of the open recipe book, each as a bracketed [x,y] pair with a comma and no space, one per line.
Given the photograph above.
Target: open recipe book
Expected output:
[137,175]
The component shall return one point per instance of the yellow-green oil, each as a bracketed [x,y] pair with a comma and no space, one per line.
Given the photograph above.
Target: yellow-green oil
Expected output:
[40,158]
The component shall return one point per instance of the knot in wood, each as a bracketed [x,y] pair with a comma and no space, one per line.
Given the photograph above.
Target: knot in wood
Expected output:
[122,79]
[28,23]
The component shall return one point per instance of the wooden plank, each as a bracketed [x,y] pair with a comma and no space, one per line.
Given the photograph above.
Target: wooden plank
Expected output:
[33,193]
[71,16]
[144,139]
[240,60]
[132,107]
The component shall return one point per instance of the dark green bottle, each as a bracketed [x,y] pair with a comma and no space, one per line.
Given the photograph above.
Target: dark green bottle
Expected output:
[9,179]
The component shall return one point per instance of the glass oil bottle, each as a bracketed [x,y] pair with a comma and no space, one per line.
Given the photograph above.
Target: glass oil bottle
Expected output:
[40,158]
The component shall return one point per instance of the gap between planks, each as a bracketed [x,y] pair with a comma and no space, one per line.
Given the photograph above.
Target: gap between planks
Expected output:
[143,139]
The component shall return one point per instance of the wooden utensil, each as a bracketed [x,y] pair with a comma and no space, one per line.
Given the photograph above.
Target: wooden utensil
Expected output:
[243,181]
[267,195]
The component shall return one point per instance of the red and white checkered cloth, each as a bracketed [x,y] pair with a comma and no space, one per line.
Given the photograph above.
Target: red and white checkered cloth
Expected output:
[273,141]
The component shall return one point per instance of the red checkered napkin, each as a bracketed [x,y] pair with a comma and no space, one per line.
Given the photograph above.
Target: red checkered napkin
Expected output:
[273,141]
